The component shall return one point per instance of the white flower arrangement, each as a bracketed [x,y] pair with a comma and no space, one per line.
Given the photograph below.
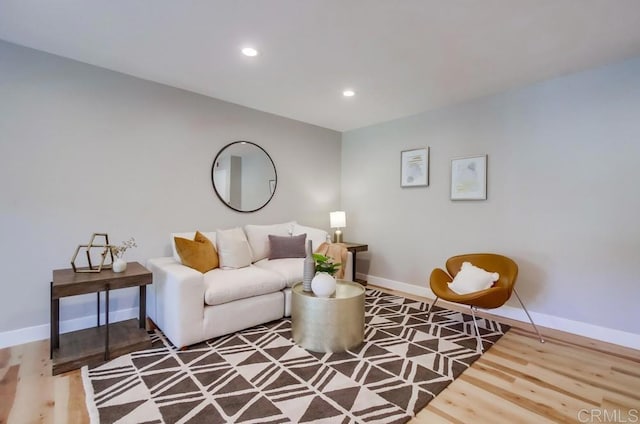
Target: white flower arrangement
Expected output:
[118,250]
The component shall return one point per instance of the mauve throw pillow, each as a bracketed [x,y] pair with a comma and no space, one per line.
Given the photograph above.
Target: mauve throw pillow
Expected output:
[287,246]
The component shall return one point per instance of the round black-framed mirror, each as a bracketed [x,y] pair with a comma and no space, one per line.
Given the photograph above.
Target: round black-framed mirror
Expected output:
[244,176]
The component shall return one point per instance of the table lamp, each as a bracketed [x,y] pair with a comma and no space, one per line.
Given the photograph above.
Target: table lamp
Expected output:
[338,219]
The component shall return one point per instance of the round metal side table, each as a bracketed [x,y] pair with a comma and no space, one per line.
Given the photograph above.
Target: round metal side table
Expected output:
[328,324]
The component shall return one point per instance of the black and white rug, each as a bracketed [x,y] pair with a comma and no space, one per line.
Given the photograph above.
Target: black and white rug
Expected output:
[260,376]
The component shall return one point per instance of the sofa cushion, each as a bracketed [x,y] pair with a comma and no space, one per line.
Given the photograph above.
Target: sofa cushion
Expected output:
[287,246]
[211,235]
[233,248]
[258,236]
[290,269]
[316,235]
[199,253]
[227,285]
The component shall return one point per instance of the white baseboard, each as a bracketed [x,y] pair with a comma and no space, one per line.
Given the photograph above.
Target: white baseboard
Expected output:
[604,334]
[41,332]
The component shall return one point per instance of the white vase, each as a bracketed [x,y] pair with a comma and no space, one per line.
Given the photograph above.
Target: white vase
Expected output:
[119,265]
[323,284]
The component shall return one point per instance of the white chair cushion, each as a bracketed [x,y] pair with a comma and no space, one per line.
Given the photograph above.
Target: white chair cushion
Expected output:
[211,235]
[233,248]
[223,286]
[316,235]
[258,236]
[290,269]
[472,279]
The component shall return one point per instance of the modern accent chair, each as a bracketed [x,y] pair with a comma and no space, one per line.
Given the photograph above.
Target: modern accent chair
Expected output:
[490,298]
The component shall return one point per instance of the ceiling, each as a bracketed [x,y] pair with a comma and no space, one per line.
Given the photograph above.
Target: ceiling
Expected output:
[401,57]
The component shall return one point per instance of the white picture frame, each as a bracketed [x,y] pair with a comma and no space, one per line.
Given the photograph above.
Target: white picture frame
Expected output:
[414,167]
[469,178]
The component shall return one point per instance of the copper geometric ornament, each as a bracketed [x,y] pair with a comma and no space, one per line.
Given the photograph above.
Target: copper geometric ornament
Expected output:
[106,251]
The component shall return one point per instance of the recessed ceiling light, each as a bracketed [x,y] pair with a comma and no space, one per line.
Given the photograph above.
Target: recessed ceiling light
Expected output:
[249,51]
[348,93]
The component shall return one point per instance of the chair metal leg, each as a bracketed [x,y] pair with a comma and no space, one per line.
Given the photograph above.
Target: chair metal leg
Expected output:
[480,348]
[530,319]
[432,305]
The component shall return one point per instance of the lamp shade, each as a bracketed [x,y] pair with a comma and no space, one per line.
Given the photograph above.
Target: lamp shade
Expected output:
[338,219]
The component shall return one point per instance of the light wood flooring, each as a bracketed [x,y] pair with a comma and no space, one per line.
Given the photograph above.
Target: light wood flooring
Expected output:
[519,380]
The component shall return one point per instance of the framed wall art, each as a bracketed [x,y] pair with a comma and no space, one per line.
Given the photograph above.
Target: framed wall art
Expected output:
[469,178]
[414,168]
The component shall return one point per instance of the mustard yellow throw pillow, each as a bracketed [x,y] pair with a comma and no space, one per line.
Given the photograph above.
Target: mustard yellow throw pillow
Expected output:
[199,253]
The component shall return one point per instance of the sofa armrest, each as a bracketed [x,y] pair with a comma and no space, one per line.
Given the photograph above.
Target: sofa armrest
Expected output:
[176,301]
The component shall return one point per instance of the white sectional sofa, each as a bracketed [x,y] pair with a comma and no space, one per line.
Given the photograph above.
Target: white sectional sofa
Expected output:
[190,307]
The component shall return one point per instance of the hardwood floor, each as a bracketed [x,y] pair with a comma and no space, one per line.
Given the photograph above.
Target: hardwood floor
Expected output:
[568,379]
[30,394]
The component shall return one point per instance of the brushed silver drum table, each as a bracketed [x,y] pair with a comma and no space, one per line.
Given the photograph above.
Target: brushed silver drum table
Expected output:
[328,324]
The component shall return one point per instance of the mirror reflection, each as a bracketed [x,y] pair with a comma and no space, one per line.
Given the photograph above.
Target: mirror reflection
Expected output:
[244,176]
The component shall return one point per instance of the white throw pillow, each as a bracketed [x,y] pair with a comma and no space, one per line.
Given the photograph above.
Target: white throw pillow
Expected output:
[258,237]
[211,235]
[316,235]
[472,279]
[233,248]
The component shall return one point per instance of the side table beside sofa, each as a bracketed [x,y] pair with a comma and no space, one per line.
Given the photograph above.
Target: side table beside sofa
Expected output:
[95,345]
[354,248]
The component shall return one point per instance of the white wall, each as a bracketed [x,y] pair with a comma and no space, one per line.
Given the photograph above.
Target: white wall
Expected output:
[563,193]
[87,150]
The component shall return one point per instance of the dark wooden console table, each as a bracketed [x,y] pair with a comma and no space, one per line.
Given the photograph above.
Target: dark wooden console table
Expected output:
[95,345]
[354,248]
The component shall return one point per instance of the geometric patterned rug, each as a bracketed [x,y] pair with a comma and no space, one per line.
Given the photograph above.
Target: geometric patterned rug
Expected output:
[259,375]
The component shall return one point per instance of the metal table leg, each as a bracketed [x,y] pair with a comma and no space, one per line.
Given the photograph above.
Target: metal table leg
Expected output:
[353,267]
[98,316]
[54,340]
[142,307]
[106,324]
